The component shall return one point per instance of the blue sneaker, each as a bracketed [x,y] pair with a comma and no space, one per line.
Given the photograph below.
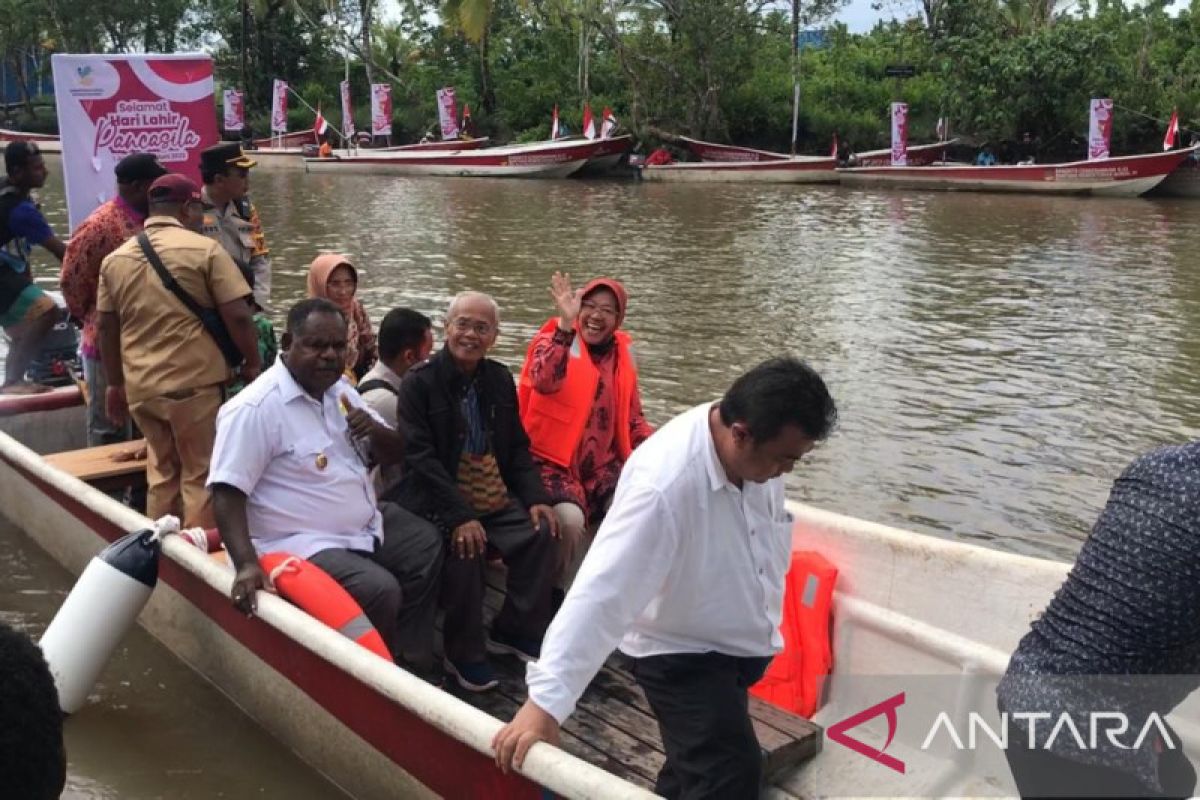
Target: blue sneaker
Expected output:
[525,649]
[478,676]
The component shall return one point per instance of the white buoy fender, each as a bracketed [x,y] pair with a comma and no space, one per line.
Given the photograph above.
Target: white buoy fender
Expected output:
[106,600]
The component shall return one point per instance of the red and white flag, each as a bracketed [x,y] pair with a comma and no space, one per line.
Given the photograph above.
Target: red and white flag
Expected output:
[609,124]
[833,148]
[320,125]
[589,123]
[1172,130]
[554,123]
[466,120]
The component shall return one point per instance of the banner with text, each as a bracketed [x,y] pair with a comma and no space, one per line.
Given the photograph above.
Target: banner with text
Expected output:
[235,110]
[1100,128]
[110,106]
[347,111]
[381,109]
[279,106]
[448,112]
[899,134]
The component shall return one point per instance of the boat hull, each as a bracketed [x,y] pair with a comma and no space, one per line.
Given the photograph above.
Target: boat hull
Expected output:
[921,155]
[798,170]
[46,142]
[1124,176]
[712,151]
[537,160]
[1184,181]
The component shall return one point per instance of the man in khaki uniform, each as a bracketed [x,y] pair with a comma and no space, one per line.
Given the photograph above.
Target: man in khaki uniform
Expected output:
[163,366]
[231,219]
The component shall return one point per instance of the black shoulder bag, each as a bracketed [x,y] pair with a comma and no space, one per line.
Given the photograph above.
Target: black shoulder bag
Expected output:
[210,318]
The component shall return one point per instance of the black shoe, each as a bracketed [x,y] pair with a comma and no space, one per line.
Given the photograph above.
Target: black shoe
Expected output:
[519,646]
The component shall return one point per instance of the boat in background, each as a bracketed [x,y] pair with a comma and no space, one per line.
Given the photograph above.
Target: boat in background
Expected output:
[1120,176]
[46,142]
[443,144]
[556,159]
[711,151]
[920,156]
[792,169]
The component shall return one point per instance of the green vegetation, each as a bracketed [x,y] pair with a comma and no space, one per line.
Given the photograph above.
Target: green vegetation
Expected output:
[717,69]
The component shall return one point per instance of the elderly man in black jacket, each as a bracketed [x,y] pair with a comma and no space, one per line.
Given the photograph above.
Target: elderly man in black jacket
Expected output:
[467,467]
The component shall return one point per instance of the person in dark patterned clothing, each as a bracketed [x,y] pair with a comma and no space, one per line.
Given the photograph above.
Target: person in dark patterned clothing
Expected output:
[1122,634]
[581,407]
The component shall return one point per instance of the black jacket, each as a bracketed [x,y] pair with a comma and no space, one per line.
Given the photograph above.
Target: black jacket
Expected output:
[430,417]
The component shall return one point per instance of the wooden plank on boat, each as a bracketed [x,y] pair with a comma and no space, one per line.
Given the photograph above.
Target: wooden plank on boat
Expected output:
[615,698]
[99,465]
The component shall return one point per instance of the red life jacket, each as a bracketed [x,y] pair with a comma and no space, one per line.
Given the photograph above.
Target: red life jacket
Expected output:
[555,422]
[795,680]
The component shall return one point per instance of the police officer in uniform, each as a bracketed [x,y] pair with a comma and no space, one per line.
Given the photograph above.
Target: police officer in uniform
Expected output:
[231,219]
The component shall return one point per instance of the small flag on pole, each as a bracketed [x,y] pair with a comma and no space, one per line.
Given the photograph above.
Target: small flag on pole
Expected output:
[1172,130]
[554,123]
[609,125]
[320,126]
[833,149]
[589,123]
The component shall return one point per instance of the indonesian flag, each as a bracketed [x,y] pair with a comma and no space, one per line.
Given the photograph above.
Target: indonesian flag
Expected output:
[554,123]
[609,125]
[589,123]
[466,120]
[833,149]
[320,126]
[1172,130]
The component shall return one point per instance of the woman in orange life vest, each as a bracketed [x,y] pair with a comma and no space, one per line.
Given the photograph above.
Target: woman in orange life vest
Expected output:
[581,407]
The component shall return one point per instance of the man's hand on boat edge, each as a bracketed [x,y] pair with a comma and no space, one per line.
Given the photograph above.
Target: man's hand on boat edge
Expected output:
[249,579]
[530,725]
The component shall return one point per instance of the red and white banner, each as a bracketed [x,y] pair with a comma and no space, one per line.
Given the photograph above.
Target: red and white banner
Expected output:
[899,134]
[609,124]
[381,109]
[1099,128]
[589,122]
[347,111]
[1172,130]
[279,106]
[235,110]
[554,123]
[110,106]
[448,112]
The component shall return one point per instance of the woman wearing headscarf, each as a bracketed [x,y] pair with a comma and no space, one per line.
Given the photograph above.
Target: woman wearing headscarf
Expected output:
[581,407]
[334,278]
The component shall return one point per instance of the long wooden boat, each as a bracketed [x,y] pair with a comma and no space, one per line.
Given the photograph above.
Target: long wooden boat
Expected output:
[712,151]
[557,159]
[909,610]
[1122,176]
[47,142]
[425,147]
[798,169]
[1183,181]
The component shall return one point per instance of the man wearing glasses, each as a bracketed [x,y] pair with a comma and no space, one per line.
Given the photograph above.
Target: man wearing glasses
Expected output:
[468,468]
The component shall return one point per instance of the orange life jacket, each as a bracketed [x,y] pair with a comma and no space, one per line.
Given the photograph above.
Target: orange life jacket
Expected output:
[796,677]
[306,585]
[555,422]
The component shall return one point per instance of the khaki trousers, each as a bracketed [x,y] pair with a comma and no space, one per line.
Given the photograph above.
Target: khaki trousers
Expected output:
[180,428]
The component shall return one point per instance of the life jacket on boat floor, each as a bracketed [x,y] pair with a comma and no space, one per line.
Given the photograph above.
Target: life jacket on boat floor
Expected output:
[795,679]
[311,588]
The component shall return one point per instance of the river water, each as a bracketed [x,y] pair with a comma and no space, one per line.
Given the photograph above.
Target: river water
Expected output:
[997,360]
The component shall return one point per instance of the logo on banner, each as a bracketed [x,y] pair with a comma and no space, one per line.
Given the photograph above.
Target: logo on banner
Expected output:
[887,708]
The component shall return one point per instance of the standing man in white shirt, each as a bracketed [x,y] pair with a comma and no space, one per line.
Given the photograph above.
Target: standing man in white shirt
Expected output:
[687,575]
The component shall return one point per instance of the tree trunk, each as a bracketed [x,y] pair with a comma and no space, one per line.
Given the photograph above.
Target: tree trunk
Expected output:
[367,54]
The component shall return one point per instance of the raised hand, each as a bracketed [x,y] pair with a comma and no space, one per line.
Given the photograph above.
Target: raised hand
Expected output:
[567,299]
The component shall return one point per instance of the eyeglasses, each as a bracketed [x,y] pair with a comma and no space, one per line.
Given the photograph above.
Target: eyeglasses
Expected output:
[462,325]
[605,310]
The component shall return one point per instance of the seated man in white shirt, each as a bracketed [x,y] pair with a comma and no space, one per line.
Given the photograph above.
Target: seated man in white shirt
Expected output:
[687,574]
[291,473]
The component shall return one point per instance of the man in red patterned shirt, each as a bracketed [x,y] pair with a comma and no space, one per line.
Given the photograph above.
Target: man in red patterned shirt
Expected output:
[105,229]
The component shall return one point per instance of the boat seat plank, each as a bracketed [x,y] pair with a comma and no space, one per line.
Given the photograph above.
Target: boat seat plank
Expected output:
[615,698]
[99,467]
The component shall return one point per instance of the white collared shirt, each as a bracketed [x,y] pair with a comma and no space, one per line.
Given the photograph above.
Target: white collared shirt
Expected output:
[685,562]
[306,487]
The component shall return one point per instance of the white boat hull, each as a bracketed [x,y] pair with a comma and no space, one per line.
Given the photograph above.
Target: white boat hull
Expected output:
[800,169]
[380,166]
